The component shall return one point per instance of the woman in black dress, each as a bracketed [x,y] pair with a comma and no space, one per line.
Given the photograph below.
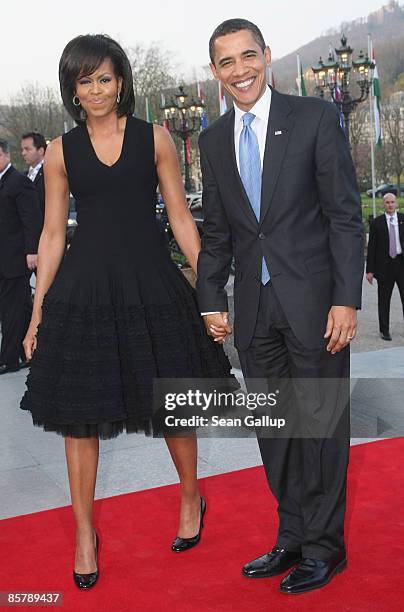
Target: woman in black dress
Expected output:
[114,312]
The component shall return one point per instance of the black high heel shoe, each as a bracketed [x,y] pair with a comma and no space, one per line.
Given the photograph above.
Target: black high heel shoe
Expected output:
[86,581]
[181,544]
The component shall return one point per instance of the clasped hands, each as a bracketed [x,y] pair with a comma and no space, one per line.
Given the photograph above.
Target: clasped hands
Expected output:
[217,325]
[340,330]
[32,261]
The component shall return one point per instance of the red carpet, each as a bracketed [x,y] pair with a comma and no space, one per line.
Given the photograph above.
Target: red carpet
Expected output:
[140,573]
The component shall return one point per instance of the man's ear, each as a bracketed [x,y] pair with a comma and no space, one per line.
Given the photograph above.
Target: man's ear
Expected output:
[267,54]
[214,71]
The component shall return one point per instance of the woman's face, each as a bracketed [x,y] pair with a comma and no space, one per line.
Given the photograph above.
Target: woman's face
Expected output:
[98,91]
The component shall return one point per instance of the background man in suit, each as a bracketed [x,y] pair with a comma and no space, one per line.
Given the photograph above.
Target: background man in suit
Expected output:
[280,193]
[20,227]
[385,259]
[33,147]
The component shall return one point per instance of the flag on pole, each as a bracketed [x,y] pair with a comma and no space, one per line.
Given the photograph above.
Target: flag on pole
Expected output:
[204,116]
[371,119]
[188,149]
[149,112]
[338,98]
[301,85]
[376,108]
[204,120]
[222,99]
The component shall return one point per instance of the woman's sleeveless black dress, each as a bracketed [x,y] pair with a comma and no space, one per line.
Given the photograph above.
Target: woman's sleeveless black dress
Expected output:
[119,313]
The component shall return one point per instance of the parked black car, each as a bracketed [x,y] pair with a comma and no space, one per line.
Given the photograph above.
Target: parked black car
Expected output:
[381,190]
[71,221]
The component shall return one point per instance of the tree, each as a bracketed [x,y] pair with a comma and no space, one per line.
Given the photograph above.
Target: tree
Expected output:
[34,108]
[393,124]
[154,72]
[383,162]
[360,144]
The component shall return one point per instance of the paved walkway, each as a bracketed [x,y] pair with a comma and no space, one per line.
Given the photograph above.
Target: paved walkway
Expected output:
[33,473]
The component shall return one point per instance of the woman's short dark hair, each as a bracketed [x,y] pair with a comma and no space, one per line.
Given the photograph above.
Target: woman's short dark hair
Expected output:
[230,26]
[81,57]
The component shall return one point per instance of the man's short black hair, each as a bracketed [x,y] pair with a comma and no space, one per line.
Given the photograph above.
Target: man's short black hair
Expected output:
[230,26]
[81,57]
[37,138]
[4,146]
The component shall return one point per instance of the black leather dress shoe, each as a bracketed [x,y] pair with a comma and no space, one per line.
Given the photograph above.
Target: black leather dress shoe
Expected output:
[385,336]
[181,544]
[9,368]
[86,581]
[24,363]
[311,574]
[277,561]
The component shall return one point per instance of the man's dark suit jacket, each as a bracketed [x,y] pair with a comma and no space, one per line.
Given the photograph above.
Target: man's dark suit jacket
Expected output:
[39,183]
[378,259]
[20,223]
[310,229]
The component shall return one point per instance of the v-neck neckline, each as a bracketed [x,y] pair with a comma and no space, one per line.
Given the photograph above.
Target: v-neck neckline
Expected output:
[122,148]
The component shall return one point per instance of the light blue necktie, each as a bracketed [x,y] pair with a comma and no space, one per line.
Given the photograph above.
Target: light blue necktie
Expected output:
[250,173]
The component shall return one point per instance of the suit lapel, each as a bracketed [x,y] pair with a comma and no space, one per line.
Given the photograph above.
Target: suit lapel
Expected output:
[6,175]
[400,218]
[385,230]
[231,170]
[279,128]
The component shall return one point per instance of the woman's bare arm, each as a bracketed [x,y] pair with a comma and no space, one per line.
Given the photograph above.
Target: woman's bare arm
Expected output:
[172,190]
[53,237]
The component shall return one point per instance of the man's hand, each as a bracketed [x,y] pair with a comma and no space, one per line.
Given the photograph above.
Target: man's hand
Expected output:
[32,261]
[370,276]
[341,327]
[217,326]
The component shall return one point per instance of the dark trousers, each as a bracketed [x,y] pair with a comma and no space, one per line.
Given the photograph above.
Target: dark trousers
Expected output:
[385,287]
[15,315]
[306,475]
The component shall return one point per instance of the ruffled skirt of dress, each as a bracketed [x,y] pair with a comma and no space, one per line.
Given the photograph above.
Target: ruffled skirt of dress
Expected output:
[92,372]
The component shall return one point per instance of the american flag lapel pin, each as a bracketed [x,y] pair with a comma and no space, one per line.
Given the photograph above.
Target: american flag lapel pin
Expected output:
[278,132]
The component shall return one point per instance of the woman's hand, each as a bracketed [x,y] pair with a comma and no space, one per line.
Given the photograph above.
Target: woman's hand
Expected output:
[29,342]
[217,326]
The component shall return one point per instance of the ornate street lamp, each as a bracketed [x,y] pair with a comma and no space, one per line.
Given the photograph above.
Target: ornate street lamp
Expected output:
[184,119]
[334,76]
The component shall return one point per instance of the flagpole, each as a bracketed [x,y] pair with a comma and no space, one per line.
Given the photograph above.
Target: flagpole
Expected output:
[372,146]
[298,80]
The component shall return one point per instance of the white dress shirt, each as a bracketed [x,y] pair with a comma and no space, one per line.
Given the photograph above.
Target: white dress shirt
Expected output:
[33,171]
[4,171]
[393,220]
[259,125]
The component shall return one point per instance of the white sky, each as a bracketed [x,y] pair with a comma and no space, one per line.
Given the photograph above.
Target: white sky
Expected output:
[33,34]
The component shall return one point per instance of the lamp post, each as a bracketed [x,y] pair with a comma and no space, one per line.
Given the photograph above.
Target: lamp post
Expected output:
[334,76]
[184,119]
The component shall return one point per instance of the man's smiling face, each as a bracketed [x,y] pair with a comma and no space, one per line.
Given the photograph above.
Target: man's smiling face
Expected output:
[240,64]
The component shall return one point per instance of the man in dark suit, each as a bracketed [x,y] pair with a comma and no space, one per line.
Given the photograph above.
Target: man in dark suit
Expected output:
[280,194]
[20,228]
[385,259]
[33,147]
